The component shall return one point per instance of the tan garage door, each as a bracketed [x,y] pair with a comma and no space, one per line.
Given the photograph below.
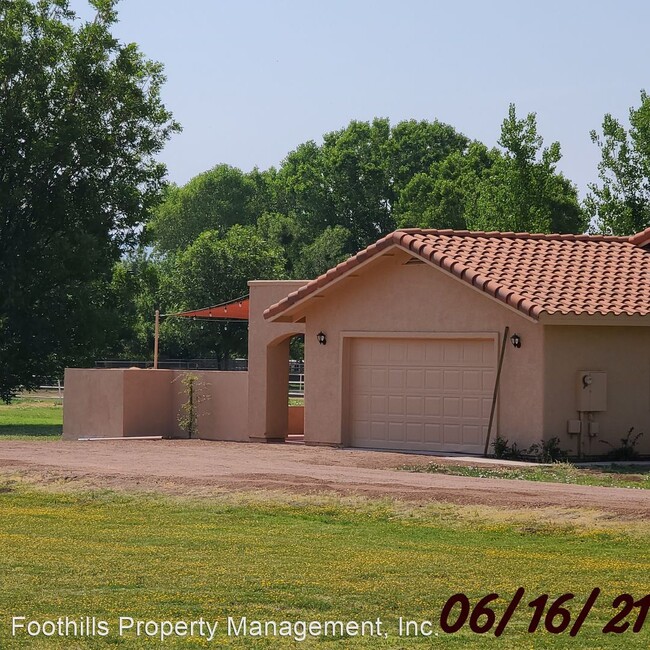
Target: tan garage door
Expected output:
[420,394]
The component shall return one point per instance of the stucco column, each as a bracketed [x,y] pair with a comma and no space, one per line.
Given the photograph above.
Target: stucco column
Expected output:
[268,362]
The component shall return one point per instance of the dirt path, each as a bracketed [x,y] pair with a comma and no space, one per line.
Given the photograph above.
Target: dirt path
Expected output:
[175,466]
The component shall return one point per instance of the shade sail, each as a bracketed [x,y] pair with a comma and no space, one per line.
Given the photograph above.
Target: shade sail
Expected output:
[233,310]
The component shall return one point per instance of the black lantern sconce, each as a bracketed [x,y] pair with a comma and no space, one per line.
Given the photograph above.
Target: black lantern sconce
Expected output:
[515,339]
[322,339]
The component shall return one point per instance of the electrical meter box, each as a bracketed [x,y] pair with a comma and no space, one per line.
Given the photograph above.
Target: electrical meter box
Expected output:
[591,390]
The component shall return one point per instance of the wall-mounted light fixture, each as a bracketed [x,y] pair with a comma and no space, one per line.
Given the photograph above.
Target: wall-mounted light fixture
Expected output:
[322,339]
[515,339]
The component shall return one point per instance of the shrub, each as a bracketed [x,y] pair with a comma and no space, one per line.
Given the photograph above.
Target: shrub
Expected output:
[547,451]
[504,450]
[627,449]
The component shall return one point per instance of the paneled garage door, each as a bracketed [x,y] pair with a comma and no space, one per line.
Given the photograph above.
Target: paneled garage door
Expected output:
[420,394]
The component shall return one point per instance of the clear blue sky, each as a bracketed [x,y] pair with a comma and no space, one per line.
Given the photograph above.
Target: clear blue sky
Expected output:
[249,80]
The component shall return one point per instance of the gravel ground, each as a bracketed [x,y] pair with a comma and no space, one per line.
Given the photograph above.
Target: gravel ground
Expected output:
[183,466]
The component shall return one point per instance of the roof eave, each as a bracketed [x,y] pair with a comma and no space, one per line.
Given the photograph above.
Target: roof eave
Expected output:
[610,319]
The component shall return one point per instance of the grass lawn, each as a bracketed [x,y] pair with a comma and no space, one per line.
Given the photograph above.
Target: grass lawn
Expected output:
[629,476]
[28,419]
[151,557]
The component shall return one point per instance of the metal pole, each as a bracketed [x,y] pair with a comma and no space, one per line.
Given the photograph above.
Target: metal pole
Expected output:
[156,333]
[496,390]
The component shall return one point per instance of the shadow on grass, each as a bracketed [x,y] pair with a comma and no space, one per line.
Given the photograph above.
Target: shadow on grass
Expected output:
[618,469]
[30,431]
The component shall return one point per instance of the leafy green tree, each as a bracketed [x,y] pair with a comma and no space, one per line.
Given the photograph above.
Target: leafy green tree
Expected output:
[325,252]
[214,269]
[523,190]
[620,205]
[81,122]
[355,178]
[516,188]
[441,197]
[214,200]
[415,146]
[135,295]
[358,174]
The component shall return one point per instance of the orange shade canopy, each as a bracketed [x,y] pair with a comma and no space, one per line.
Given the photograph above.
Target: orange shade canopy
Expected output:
[233,310]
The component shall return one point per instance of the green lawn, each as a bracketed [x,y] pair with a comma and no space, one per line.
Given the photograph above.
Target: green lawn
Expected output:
[629,476]
[107,555]
[28,419]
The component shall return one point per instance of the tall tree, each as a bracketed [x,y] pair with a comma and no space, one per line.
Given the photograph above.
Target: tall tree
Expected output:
[620,205]
[447,192]
[81,122]
[355,178]
[516,187]
[523,191]
[214,200]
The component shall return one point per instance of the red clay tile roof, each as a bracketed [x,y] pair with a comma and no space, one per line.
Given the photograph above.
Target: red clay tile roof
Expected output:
[534,273]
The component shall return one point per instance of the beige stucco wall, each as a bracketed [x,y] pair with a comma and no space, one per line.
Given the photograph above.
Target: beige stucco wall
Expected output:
[389,296]
[624,354]
[93,403]
[130,402]
[222,404]
[268,360]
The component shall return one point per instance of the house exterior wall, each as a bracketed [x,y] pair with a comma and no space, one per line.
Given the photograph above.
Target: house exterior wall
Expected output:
[390,297]
[117,403]
[624,354]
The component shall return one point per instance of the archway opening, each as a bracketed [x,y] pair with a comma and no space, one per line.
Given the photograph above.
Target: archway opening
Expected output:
[285,389]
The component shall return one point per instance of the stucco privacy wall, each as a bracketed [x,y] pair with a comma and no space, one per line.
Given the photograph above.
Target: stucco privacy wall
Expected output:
[401,299]
[624,354]
[268,361]
[94,402]
[133,402]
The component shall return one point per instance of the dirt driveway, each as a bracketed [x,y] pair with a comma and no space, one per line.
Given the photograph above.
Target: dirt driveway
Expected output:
[182,466]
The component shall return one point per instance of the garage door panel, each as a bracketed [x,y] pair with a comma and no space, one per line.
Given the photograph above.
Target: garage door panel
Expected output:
[433,434]
[424,394]
[451,407]
[487,378]
[379,378]
[396,432]
[414,378]
[433,379]
[378,429]
[472,381]
[414,405]
[452,352]
[473,355]
[433,406]
[451,434]
[378,351]
[486,407]
[396,378]
[471,434]
[414,432]
[433,353]
[396,352]
[452,380]
[378,404]
[396,404]
[471,407]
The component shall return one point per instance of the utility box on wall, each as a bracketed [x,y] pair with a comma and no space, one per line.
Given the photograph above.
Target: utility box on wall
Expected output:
[591,390]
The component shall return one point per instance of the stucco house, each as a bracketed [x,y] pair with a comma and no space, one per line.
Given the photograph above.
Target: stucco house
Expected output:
[404,342]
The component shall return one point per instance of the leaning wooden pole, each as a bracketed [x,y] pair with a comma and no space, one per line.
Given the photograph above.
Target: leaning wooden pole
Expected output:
[156,336]
[496,390]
